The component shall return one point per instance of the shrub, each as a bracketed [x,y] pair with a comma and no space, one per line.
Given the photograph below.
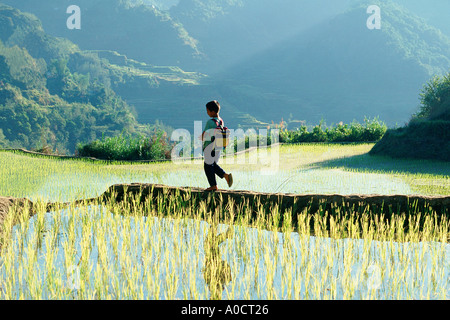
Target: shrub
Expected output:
[127,147]
[435,99]
[370,131]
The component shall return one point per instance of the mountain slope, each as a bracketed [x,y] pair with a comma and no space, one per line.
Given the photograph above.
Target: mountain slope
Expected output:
[434,12]
[42,101]
[229,31]
[53,92]
[342,71]
[160,4]
[141,32]
[265,59]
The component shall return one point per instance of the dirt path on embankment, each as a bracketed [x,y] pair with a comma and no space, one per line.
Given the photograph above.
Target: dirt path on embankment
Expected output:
[6,203]
[285,200]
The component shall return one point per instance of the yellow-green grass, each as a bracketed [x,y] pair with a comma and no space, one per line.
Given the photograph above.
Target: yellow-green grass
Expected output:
[148,252]
[302,169]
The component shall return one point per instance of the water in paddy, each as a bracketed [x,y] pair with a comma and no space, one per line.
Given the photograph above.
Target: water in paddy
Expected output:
[171,255]
[304,181]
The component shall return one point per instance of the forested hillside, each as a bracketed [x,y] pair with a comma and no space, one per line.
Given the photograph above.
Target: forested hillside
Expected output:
[45,99]
[434,12]
[139,31]
[52,93]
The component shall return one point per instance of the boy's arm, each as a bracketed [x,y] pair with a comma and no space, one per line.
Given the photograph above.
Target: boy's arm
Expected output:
[207,127]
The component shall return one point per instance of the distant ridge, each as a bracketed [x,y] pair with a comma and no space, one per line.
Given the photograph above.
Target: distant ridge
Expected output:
[342,71]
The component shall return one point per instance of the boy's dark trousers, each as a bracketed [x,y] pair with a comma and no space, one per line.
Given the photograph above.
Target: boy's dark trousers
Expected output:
[212,169]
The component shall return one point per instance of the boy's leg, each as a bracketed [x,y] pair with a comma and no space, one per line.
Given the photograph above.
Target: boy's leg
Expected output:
[221,173]
[217,169]
[210,173]
[212,169]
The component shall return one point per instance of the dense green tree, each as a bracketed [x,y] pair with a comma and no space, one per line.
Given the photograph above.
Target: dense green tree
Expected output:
[427,136]
[435,99]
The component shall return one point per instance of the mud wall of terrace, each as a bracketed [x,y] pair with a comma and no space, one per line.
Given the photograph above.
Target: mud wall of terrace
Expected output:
[247,207]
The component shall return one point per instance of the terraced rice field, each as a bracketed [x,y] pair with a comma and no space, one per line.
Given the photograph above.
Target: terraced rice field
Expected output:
[171,251]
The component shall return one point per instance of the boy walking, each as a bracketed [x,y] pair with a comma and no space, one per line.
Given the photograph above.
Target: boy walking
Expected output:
[211,153]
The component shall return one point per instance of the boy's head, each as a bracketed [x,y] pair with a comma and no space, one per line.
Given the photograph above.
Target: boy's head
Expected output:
[213,107]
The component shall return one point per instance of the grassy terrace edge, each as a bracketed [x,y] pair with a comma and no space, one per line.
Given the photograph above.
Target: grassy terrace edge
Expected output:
[74,157]
[57,156]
